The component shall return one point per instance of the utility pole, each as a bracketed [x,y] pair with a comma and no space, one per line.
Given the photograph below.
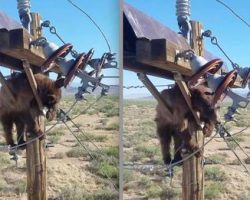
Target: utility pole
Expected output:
[36,156]
[193,168]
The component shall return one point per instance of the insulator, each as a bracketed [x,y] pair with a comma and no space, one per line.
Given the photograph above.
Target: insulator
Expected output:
[23,6]
[183,8]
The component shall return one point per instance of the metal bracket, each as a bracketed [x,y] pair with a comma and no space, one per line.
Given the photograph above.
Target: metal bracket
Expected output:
[88,82]
[62,116]
[238,102]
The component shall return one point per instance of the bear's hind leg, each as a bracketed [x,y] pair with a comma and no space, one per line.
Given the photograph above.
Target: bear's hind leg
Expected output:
[165,140]
[20,133]
[178,144]
[7,127]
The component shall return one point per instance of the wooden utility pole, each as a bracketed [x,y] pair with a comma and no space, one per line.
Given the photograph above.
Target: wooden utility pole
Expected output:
[36,157]
[150,49]
[193,171]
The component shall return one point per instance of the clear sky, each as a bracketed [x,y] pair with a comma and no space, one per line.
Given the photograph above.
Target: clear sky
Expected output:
[75,27]
[232,34]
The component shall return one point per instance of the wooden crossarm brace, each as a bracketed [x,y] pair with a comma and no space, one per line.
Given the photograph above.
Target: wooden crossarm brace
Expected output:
[187,95]
[32,82]
[149,85]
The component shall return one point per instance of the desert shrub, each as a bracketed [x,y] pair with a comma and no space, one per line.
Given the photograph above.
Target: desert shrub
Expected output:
[128,176]
[2,184]
[244,196]
[112,151]
[215,174]
[147,151]
[170,193]
[213,191]
[55,136]
[104,169]
[105,163]
[21,187]
[77,193]
[112,126]
[76,152]
[220,158]
[4,160]
[154,191]
[232,144]
[87,137]
[59,155]
[144,182]
[247,160]
[242,121]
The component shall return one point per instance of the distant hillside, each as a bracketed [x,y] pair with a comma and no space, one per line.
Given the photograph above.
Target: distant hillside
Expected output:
[150,97]
[72,90]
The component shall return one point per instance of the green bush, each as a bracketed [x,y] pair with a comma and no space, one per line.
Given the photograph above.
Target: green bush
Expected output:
[220,158]
[55,136]
[76,152]
[112,151]
[213,191]
[145,182]
[247,160]
[2,184]
[104,169]
[77,193]
[21,187]
[154,191]
[4,160]
[91,137]
[244,196]
[147,151]
[128,176]
[215,174]
[170,193]
[112,126]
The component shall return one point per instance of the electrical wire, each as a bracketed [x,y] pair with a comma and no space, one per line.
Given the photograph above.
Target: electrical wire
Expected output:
[241,131]
[82,112]
[192,154]
[93,21]
[234,13]
[79,141]
[241,162]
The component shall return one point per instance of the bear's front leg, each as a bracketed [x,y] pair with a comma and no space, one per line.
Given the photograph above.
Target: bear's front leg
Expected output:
[33,127]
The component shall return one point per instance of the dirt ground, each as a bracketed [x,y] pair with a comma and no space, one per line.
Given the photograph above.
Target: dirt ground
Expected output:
[145,176]
[72,173]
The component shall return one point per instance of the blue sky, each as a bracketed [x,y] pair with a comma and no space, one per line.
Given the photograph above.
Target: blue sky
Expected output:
[233,35]
[76,28]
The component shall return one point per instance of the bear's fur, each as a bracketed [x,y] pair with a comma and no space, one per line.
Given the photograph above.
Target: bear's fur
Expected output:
[24,111]
[177,126]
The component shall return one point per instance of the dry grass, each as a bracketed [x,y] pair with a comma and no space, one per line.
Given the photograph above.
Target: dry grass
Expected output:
[68,164]
[142,147]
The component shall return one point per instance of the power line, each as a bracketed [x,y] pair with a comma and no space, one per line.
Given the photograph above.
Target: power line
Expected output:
[241,162]
[234,13]
[93,21]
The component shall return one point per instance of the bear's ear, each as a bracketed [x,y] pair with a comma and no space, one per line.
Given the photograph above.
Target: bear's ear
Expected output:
[59,82]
